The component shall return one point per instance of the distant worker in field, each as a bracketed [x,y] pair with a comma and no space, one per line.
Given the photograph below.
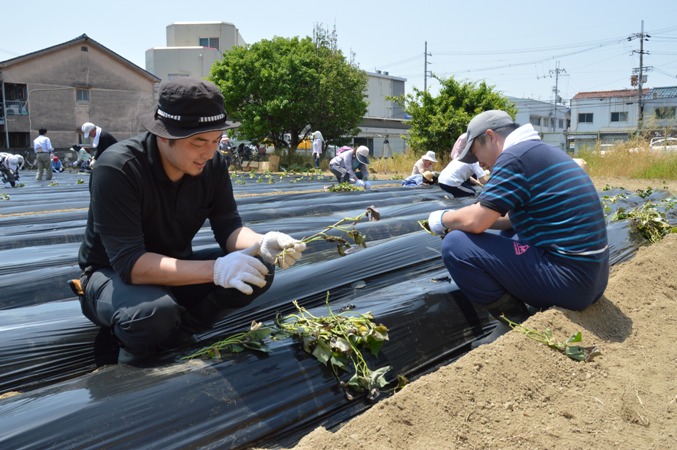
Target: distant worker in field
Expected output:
[425,179]
[84,158]
[57,165]
[553,248]
[425,164]
[318,143]
[462,179]
[42,146]
[351,167]
[9,168]
[101,139]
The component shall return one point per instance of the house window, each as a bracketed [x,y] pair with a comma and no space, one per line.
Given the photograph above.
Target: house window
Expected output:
[82,95]
[561,123]
[212,42]
[665,112]
[585,118]
[535,120]
[619,116]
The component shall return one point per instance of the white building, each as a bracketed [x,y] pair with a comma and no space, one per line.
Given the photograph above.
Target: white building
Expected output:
[192,48]
[384,124]
[549,120]
[610,117]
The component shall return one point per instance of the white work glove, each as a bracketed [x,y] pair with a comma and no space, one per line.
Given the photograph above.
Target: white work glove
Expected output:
[435,222]
[274,243]
[359,183]
[367,185]
[239,270]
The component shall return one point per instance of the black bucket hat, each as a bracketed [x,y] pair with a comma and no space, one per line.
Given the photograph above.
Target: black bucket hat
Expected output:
[186,107]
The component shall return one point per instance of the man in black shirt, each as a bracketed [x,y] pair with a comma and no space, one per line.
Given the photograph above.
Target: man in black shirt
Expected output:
[149,197]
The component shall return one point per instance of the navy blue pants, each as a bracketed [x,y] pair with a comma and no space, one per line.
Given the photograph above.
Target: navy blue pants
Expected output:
[485,266]
[143,317]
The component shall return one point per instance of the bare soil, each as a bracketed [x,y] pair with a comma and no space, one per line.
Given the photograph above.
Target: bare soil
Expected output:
[517,393]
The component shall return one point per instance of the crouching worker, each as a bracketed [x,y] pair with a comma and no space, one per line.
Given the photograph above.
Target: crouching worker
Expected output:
[351,166]
[149,197]
[553,251]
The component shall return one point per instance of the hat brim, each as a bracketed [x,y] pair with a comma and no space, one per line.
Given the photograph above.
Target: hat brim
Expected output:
[466,155]
[362,159]
[167,131]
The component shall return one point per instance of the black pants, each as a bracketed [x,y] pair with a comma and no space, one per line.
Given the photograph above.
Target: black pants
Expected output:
[466,189]
[143,317]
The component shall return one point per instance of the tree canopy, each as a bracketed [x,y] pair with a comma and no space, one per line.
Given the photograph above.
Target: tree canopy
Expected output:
[436,122]
[291,85]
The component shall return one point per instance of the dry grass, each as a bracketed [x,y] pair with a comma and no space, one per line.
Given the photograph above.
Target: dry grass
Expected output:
[633,159]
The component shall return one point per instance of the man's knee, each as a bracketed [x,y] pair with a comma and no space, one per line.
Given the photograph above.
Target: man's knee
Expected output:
[144,326]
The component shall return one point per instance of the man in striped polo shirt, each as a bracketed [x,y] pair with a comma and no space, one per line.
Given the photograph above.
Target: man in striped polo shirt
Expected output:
[552,250]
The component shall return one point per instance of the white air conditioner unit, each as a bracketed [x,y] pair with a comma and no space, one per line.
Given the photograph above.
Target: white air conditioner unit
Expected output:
[13,110]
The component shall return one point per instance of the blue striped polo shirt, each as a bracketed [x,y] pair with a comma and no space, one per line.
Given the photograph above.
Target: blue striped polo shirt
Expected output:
[551,200]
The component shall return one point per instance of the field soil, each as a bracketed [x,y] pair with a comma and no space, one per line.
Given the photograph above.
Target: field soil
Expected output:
[518,393]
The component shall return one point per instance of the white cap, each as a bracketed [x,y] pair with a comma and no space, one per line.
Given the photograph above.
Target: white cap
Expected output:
[87,127]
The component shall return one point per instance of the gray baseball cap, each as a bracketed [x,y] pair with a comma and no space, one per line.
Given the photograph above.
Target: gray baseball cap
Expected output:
[488,120]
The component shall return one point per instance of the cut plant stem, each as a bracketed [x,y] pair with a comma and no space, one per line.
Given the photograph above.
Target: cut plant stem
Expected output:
[342,243]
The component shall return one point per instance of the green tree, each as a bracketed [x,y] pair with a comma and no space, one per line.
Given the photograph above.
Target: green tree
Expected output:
[436,122]
[291,85]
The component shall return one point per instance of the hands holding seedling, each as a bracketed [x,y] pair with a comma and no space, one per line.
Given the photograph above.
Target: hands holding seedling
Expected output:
[289,253]
[281,249]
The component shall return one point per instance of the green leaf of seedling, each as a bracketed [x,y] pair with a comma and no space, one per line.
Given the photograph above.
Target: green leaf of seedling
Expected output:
[378,376]
[578,337]
[374,346]
[354,383]
[322,352]
[341,345]
[308,343]
[340,361]
[259,335]
[235,348]
[575,352]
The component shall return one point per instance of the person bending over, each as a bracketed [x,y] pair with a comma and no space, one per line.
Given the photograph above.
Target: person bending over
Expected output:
[553,248]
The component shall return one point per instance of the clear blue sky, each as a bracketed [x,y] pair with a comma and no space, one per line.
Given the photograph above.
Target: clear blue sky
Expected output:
[515,47]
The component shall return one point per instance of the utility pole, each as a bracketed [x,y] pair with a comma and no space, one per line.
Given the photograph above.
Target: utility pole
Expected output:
[640,94]
[426,72]
[555,89]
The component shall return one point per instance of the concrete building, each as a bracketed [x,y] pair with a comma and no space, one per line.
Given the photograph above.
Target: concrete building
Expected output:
[611,117]
[61,87]
[384,124]
[192,48]
[549,120]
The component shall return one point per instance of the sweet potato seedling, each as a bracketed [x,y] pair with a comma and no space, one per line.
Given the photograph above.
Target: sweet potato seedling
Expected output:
[346,227]
[575,352]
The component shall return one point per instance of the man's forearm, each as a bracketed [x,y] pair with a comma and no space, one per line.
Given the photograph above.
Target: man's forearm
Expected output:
[156,269]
